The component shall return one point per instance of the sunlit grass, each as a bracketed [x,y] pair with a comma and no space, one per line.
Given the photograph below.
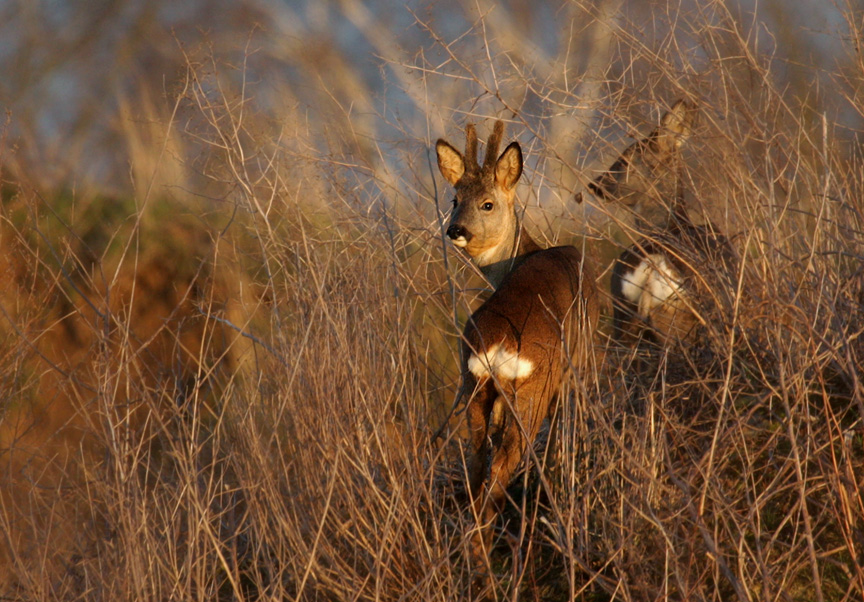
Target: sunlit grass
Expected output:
[230,393]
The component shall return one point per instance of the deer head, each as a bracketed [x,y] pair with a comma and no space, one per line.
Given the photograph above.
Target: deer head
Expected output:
[484,221]
[646,177]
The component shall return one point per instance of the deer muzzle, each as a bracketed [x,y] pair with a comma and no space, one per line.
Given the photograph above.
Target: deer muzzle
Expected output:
[459,235]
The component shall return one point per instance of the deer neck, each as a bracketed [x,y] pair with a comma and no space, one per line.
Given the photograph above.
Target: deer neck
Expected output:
[679,219]
[665,217]
[499,261]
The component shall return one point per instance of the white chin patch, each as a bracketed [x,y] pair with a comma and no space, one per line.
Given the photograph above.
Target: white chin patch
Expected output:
[459,242]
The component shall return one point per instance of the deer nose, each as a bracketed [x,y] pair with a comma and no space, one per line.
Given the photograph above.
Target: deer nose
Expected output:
[456,231]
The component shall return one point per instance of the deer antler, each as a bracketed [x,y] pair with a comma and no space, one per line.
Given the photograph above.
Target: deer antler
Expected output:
[492,147]
[471,165]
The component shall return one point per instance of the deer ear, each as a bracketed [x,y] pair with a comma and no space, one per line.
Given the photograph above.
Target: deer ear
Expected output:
[675,127]
[450,162]
[508,169]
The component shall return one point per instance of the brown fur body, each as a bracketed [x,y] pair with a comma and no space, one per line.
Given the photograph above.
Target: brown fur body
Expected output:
[517,345]
[660,284]
[546,310]
[695,261]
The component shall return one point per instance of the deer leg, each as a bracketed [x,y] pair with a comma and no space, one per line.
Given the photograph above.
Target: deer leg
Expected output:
[625,310]
[479,411]
[478,466]
[479,416]
[506,442]
[512,429]
[508,448]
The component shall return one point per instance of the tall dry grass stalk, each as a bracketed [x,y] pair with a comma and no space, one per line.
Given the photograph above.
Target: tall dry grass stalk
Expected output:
[233,395]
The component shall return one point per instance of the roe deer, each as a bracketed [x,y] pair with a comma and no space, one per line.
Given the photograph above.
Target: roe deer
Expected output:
[540,318]
[659,284]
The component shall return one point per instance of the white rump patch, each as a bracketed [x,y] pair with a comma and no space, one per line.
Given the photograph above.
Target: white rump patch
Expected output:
[651,284]
[501,363]
[633,283]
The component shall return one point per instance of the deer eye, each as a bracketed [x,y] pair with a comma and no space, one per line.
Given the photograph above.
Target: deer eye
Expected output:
[487,206]
[454,201]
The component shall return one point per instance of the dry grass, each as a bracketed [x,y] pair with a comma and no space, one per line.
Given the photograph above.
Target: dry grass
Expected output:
[235,398]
